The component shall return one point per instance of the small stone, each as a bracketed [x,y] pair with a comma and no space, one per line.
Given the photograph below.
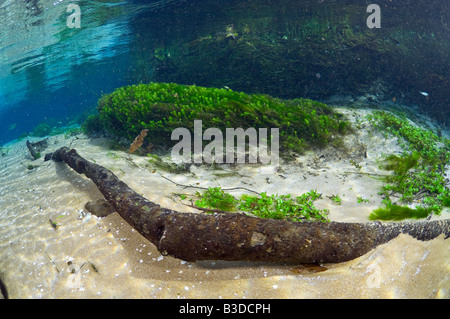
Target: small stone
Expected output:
[100,207]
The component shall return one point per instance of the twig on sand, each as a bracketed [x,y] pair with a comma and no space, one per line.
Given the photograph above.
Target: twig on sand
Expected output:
[213,210]
[53,263]
[199,187]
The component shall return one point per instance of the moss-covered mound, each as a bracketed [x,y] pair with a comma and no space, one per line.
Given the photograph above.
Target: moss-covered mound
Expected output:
[163,107]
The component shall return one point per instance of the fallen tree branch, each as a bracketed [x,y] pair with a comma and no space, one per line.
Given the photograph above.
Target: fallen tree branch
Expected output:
[198,236]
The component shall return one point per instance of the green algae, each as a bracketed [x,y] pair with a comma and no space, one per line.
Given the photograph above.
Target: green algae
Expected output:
[394,212]
[418,173]
[163,107]
[273,206]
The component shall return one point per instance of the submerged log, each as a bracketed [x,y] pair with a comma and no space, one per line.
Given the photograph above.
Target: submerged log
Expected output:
[234,236]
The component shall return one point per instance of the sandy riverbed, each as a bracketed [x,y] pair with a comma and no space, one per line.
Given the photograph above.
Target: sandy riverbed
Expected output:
[91,257]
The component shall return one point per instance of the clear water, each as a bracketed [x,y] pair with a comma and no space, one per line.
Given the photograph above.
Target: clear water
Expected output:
[52,73]
[49,72]
[320,49]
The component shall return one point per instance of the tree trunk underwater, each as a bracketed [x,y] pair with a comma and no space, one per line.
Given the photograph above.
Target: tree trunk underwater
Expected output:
[235,236]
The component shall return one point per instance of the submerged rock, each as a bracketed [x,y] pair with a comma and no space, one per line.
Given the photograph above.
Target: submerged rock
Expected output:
[100,207]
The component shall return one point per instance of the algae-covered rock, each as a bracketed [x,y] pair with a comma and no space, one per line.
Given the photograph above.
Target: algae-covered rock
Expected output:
[163,107]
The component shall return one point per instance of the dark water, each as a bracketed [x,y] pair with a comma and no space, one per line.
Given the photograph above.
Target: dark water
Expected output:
[53,74]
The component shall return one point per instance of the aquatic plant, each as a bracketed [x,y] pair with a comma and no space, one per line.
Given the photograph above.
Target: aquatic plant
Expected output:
[42,129]
[92,125]
[395,212]
[400,165]
[336,199]
[53,224]
[360,200]
[71,132]
[216,198]
[265,206]
[284,206]
[418,173]
[162,107]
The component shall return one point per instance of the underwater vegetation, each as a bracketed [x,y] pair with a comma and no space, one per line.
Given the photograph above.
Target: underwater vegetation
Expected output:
[216,198]
[395,212]
[265,206]
[284,206]
[308,49]
[42,129]
[418,174]
[162,107]
[45,129]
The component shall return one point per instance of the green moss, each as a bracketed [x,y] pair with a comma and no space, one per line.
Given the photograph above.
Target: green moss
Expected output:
[400,165]
[92,125]
[42,130]
[162,107]
[428,144]
[394,212]
[418,173]
[73,131]
[265,206]
[284,206]
[446,201]
[360,200]
[216,198]
[336,199]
